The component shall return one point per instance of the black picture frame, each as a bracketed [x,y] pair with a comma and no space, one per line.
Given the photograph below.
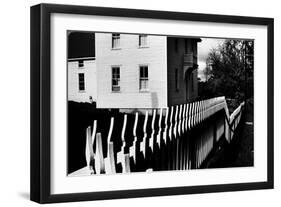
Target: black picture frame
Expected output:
[40,102]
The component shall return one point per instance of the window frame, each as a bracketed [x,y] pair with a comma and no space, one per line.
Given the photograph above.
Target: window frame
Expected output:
[118,79]
[143,78]
[79,82]
[115,37]
[140,40]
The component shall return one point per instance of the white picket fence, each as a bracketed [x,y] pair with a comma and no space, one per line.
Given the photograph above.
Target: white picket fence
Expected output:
[181,138]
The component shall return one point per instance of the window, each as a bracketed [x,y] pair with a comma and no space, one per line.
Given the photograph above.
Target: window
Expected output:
[115,79]
[80,63]
[115,40]
[177,79]
[81,81]
[142,40]
[143,78]
[176,44]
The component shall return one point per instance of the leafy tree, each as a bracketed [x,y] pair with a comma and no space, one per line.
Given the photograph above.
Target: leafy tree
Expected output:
[229,71]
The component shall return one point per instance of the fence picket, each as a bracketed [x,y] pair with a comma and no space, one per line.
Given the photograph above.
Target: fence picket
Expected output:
[171,124]
[151,139]
[99,160]
[109,160]
[176,122]
[180,120]
[158,139]
[121,154]
[132,150]
[183,119]
[187,116]
[166,126]
[143,143]
[89,153]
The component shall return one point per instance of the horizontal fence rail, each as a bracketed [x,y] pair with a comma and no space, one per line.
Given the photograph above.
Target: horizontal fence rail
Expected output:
[179,137]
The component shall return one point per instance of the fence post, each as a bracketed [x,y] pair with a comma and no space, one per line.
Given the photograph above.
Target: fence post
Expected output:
[176,122]
[186,139]
[182,138]
[109,160]
[158,139]
[121,156]
[187,116]
[170,145]
[190,115]
[171,123]
[151,139]
[165,133]
[89,153]
[180,120]
[175,140]
[143,143]
[99,160]
[132,150]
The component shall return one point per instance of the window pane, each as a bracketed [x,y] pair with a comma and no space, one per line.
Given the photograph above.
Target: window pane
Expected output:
[114,82]
[81,76]
[143,84]
[143,77]
[115,79]
[146,72]
[115,88]
[143,71]
[142,40]
[115,40]
[81,81]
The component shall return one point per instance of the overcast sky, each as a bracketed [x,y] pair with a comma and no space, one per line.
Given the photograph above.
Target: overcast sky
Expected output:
[204,48]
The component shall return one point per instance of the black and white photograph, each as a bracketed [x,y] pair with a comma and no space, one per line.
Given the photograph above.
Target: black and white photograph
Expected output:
[142,103]
[129,103]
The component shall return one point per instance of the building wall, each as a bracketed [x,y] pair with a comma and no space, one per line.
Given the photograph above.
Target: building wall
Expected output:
[183,93]
[195,80]
[89,71]
[129,57]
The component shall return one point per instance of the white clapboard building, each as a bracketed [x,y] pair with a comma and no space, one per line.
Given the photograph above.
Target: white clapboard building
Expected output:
[82,79]
[136,71]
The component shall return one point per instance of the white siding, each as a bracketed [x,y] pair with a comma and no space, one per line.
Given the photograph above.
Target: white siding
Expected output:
[129,57]
[89,71]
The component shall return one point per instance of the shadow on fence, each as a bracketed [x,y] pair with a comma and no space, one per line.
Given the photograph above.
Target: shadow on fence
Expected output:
[175,138]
